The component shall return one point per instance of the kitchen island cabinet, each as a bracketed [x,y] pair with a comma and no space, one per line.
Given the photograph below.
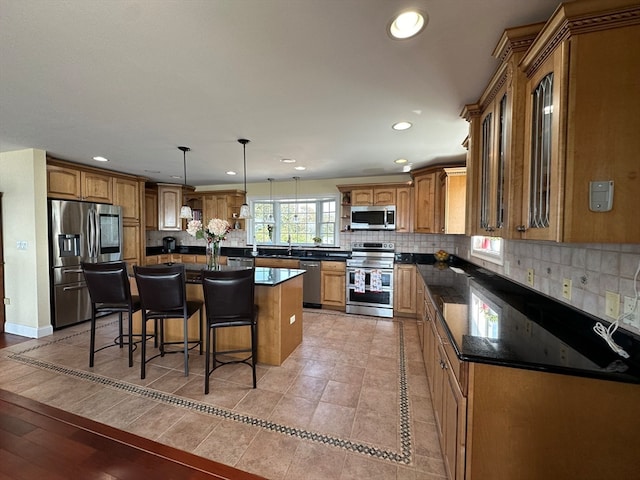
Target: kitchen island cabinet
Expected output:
[279,299]
[521,385]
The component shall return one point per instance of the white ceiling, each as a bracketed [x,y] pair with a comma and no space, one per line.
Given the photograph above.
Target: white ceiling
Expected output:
[318,81]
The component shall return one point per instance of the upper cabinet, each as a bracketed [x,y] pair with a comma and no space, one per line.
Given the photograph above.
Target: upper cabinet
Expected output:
[453,190]
[398,194]
[557,122]
[73,183]
[426,200]
[496,140]
[169,203]
[582,98]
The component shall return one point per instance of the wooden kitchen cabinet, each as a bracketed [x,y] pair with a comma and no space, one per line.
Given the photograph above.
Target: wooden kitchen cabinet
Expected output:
[398,194]
[496,146]
[362,196]
[581,124]
[426,201]
[277,262]
[404,209]
[65,181]
[169,203]
[151,209]
[404,290]
[128,195]
[453,188]
[333,284]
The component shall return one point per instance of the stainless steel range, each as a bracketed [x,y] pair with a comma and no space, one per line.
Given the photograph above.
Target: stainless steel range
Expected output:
[370,279]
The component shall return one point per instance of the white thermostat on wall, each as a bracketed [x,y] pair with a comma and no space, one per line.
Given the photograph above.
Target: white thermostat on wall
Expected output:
[601,196]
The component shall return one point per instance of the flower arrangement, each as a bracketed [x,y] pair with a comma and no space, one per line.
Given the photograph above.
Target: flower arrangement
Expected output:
[317,240]
[215,231]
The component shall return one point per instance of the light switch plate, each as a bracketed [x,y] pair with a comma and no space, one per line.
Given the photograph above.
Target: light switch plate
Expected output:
[530,277]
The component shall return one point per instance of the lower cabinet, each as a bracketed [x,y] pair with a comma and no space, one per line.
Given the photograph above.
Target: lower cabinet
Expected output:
[333,285]
[404,290]
[503,423]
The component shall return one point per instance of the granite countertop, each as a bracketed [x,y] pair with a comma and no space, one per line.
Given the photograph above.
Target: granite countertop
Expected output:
[264,276]
[490,319]
[263,252]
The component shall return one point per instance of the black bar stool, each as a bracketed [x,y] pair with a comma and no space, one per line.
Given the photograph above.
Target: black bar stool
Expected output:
[229,301]
[110,292]
[163,295]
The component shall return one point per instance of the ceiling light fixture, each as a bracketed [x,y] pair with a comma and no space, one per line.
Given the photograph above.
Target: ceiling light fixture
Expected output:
[185,210]
[400,161]
[288,160]
[399,126]
[231,172]
[407,24]
[100,159]
[300,167]
[244,209]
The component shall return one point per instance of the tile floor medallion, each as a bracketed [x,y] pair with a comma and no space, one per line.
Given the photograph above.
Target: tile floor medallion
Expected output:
[345,397]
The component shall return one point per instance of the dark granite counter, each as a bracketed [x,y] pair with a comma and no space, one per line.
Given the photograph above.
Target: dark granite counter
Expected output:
[490,319]
[264,276]
[266,252]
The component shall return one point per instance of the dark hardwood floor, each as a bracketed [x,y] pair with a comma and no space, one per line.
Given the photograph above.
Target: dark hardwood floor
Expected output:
[38,441]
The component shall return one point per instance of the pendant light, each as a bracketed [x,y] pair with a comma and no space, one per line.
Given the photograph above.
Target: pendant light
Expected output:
[270,216]
[295,215]
[244,209]
[185,210]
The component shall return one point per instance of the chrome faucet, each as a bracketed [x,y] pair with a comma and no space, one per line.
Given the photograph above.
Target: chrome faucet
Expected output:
[289,248]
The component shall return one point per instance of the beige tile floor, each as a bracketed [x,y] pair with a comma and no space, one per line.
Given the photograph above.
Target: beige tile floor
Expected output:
[351,402]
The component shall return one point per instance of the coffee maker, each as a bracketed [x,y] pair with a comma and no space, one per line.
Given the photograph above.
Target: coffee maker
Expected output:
[168,244]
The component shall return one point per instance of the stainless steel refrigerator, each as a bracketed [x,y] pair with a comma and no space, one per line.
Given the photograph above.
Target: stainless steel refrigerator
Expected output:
[79,232]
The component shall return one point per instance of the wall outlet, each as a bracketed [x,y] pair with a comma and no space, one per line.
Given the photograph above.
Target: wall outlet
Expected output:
[7,301]
[629,303]
[292,319]
[507,267]
[612,304]
[530,275]
[566,288]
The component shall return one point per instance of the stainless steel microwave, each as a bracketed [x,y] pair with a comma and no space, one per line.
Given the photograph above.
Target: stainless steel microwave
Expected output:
[373,217]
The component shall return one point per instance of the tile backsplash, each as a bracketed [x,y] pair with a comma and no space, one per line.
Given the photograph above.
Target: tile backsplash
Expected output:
[593,269]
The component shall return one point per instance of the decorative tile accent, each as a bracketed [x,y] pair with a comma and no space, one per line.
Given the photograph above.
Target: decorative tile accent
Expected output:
[404,456]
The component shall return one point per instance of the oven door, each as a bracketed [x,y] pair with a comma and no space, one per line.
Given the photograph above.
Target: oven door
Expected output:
[370,291]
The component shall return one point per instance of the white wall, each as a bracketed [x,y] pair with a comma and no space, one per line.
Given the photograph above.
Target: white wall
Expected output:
[23,181]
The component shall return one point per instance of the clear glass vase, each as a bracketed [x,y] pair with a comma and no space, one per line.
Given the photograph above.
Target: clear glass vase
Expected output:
[213,255]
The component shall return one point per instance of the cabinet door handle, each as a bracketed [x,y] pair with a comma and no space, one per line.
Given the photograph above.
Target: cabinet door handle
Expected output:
[521,228]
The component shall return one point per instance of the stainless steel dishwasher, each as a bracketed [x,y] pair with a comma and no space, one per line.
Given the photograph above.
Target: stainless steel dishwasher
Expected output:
[311,283]
[240,262]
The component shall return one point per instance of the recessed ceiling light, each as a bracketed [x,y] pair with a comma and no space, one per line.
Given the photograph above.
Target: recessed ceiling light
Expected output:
[407,24]
[401,126]
[231,172]
[407,168]
[288,160]
[400,161]
[300,168]
[175,176]
[100,159]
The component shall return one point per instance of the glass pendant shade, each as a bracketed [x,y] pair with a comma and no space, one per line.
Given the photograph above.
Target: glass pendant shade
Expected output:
[244,211]
[185,212]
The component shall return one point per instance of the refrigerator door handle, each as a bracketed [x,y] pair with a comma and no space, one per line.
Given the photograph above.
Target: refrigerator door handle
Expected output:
[75,287]
[92,234]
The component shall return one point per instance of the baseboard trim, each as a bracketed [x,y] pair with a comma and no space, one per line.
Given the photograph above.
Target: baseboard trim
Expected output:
[29,332]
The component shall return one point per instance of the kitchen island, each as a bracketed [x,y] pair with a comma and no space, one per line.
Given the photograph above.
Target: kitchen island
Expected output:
[279,299]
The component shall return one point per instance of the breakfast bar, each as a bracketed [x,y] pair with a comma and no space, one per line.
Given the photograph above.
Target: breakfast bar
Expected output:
[279,299]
